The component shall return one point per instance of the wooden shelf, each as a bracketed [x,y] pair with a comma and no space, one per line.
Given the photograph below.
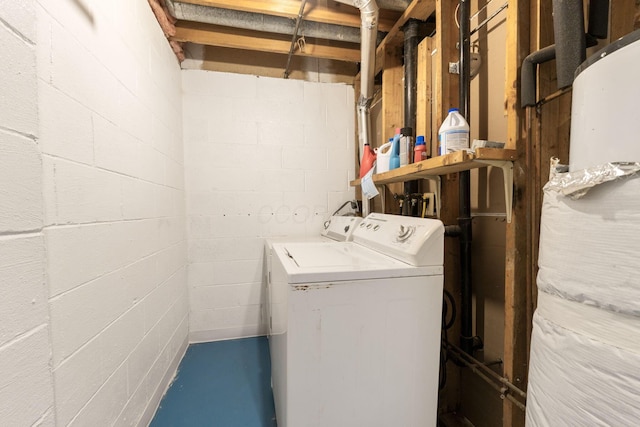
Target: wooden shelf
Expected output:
[459,161]
[442,165]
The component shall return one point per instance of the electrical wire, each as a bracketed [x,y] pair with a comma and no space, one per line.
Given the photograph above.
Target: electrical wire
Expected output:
[444,358]
[448,325]
[455,15]
[475,15]
[486,21]
[480,10]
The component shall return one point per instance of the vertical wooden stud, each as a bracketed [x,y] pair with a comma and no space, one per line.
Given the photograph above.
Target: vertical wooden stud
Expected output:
[392,111]
[516,334]
[424,87]
[444,96]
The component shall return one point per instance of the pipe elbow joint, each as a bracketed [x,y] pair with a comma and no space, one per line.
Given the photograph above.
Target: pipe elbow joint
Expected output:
[528,74]
[367,6]
[369,16]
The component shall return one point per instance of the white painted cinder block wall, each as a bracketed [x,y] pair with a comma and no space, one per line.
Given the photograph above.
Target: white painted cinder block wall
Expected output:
[264,157]
[93,290]
[114,224]
[93,252]
[26,386]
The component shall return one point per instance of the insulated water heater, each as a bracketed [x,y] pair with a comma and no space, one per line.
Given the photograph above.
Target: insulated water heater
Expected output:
[605,111]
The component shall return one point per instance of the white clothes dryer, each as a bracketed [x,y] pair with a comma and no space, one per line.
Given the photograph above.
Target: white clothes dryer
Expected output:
[335,229]
[355,326]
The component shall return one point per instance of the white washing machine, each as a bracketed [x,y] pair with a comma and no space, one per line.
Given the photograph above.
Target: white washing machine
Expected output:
[355,326]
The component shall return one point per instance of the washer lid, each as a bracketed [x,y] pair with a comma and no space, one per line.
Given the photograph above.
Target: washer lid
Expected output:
[324,262]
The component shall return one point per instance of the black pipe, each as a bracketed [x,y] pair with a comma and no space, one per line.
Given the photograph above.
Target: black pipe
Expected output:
[570,47]
[410,72]
[464,218]
[465,57]
[568,31]
[528,94]
[411,39]
[599,18]
[452,231]
[466,293]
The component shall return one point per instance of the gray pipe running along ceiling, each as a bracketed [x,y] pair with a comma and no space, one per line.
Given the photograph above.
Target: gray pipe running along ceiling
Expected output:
[270,23]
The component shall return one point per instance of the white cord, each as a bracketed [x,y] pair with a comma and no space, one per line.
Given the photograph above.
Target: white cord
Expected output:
[302,43]
[455,15]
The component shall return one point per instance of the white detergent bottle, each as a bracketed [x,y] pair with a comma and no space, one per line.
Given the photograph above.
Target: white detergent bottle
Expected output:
[453,135]
[384,155]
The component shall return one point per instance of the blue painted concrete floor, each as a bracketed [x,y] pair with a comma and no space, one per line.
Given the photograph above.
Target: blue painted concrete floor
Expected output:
[221,384]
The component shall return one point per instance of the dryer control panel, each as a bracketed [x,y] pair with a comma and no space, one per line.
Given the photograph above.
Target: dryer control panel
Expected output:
[340,228]
[416,241]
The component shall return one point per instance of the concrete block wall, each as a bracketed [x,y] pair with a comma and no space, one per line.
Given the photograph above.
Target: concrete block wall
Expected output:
[110,133]
[264,157]
[26,385]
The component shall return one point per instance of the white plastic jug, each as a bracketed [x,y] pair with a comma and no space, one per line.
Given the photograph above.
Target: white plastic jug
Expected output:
[384,154]
[453,134]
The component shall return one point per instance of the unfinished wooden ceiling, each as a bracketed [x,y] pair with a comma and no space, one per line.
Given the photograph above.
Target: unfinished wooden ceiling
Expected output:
[323,29]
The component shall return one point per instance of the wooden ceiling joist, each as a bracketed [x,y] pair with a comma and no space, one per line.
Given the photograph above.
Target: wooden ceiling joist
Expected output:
[418,9]
[213,35]
[336,13]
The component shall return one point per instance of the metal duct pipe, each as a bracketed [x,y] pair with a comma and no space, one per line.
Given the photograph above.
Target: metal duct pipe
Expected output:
[368,43]
[368,29]
[397,5]
[464,213]
[568,30]
[261,22]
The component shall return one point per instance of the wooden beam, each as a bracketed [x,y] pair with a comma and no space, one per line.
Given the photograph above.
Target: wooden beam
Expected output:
[517,258]
[445,95]
[392,112]
[269,64]
[418,9]
[165,20]
[622,19]
[332,13]
[214,35]
[424,86]
[446,85]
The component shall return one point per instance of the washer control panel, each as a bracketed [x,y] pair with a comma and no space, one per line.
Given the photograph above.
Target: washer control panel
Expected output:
[417,241]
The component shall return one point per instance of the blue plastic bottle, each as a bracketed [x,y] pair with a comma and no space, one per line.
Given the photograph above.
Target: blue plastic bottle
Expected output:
[394,161]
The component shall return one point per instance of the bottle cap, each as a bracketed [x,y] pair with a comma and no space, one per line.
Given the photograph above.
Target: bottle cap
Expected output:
[420,140]
[407,131]
[398,131]
[454,109]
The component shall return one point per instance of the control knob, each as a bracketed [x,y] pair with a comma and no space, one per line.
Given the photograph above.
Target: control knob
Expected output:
[404,233]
